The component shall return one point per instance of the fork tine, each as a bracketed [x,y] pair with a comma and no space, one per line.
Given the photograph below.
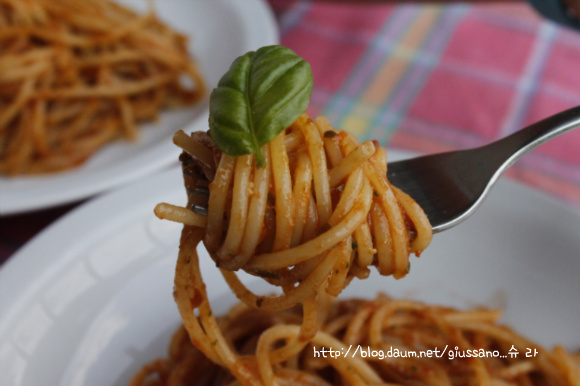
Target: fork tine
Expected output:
[450,186]
[199,209]
[201,190]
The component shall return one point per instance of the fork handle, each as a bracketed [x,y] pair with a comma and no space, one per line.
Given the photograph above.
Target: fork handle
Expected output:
[511,148]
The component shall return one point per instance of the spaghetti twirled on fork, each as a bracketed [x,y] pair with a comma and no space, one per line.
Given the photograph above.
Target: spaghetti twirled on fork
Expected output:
[317,214]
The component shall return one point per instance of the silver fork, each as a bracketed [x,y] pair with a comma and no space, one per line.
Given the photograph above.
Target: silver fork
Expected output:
[451,186]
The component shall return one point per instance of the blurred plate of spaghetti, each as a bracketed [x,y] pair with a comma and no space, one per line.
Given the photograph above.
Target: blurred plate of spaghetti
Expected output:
[218,31]
[90,304]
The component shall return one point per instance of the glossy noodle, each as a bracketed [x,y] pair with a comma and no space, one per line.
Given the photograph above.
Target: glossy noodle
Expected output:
[374,342]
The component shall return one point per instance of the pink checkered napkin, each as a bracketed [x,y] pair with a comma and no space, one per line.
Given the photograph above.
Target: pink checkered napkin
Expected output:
[432,78]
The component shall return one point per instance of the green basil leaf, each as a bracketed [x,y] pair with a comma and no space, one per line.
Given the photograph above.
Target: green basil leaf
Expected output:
[262,93]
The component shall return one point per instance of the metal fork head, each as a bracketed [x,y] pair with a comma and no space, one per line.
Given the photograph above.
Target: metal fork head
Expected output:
[446,186]
[451,186]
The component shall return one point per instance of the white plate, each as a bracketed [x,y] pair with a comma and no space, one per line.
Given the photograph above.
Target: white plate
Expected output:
[219,31]
[89,301]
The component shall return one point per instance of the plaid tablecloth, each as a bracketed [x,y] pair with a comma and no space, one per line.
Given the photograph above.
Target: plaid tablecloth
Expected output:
[426,78]
[430,78]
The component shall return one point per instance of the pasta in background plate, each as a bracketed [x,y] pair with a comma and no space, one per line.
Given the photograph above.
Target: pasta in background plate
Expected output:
[370,342]
[76,75]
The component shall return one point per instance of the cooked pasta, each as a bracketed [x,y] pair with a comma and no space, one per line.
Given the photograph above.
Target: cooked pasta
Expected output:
[77,74]
[319,213]
[369,342]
